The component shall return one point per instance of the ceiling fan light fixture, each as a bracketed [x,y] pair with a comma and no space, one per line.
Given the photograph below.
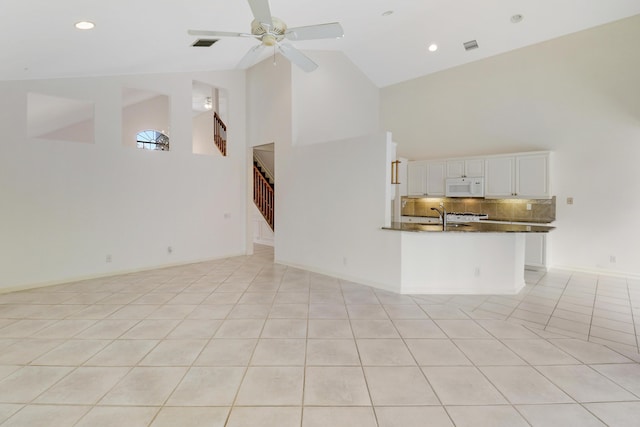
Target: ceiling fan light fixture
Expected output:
[268,40]
[516,18]
[387,13]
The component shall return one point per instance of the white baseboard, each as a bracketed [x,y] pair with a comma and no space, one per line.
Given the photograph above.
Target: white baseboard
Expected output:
[73,279]
[600,272]
[341,276]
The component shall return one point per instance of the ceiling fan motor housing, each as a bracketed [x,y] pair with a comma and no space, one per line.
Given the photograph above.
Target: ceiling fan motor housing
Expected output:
[269,35]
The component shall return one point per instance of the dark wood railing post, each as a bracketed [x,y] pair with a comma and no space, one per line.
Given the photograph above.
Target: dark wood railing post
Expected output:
[263,196]
[219,134]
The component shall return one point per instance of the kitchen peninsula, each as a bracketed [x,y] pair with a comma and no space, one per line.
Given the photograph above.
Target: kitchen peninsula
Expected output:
[471,258]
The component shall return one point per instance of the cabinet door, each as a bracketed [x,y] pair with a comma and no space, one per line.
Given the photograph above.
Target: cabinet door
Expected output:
[416,179]
[474,168]
[532,172]
[455,168]
[435,178]
[499,176]
[535,250]
[471,168]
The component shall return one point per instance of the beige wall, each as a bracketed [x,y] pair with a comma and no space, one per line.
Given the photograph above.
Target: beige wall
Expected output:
[578,96]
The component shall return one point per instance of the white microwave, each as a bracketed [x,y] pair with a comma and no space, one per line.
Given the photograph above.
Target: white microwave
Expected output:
[464,187]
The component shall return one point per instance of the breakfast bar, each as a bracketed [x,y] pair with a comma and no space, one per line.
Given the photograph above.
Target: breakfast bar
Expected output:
[472,258]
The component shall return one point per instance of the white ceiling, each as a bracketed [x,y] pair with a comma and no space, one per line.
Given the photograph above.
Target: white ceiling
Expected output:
[38,39]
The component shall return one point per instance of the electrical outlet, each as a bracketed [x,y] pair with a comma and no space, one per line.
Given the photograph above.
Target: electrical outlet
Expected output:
[569,200]
[528,206]
[612,259]
[344,261]
[169,250]
[227,215]
[476,272]
[108,258]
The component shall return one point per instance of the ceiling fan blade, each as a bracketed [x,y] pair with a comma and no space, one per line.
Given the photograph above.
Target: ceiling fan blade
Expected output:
[297,57]
[249,58]
[261,11]
[320,31]
[217,33]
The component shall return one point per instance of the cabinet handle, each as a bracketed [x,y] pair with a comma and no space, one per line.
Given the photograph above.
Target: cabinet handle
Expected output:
[394,172]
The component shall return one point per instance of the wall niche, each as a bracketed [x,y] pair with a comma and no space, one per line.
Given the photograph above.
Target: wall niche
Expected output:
[143,110]
[59,118]
[206,101]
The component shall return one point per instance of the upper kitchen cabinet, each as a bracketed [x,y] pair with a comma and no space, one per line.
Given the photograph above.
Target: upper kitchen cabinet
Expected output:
[435,178]
[533,176]
[426,178]
[499,177]
[417,178]
[462,168]
[523,176]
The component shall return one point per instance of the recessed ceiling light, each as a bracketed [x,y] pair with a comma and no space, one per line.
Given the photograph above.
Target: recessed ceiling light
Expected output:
[85,25]
[433,47]
[517,18]
[387,13]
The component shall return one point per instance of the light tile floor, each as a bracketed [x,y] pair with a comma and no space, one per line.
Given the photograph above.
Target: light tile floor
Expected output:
[246,342]
[604,310]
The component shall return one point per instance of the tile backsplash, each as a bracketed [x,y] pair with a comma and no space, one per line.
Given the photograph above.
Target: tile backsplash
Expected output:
[542,210]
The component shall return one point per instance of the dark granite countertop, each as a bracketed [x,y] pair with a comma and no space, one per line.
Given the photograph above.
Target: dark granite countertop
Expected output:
[529,221]
[472,227]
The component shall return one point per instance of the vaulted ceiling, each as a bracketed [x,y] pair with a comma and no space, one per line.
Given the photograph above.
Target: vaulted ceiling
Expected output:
[38,38]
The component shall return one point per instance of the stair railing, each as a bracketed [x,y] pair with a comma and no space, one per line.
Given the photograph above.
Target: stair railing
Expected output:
[258,158]
[219,134]
[263,196]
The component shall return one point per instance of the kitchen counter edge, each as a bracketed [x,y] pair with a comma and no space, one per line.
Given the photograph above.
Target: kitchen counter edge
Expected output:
[470,227]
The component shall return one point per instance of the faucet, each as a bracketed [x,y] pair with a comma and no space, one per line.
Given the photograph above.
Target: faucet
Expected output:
[443,215]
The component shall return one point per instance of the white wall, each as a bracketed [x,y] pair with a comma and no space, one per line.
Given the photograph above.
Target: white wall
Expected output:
[335,206]
[577,96]
[331,167]
[269,109]
[335,101]
[202,126]
[66,206]
[269,120]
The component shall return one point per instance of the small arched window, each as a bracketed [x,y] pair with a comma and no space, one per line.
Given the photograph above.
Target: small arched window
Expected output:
[152,140]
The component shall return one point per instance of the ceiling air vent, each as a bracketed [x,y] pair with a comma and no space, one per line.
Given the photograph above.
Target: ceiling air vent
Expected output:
[470,45]
[204,42]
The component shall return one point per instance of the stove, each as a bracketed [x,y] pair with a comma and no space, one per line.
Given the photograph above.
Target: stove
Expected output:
[465,217]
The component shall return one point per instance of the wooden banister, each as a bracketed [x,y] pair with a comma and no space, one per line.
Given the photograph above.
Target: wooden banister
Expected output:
[263,196]
[219,134]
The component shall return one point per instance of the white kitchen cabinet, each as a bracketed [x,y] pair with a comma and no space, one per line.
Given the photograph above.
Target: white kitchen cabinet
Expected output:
[461,168]
[532,174]
[436,178]
[499,177]
[525,176]
[535,250]
[426,178]
[417,178]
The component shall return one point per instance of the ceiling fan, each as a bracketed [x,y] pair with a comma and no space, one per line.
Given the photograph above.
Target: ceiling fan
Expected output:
[271,31]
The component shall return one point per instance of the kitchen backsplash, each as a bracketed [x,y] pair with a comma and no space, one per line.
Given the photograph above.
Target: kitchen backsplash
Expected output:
[542,210]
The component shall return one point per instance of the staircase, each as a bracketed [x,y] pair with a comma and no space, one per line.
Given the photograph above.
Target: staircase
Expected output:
[263,191]
[219,134]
